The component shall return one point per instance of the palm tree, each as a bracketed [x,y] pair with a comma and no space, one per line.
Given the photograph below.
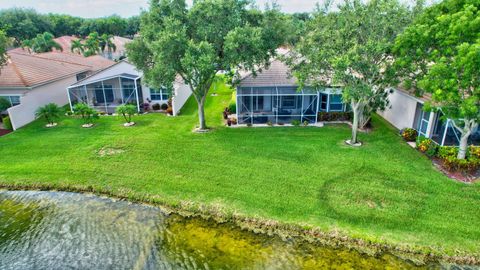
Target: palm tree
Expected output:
[50,112]
[86,113]
[92,45]
[43,43]
[27,44]
[77,47]
[127,111]
[107,44]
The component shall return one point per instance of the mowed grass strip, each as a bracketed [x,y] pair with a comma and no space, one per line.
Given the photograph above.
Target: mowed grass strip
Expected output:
[384,191]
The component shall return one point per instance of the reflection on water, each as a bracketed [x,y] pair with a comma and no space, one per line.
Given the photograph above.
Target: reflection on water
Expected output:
[57,230]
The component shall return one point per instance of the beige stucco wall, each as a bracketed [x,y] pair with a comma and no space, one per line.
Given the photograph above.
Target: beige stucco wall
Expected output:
[24,113]
[401,112]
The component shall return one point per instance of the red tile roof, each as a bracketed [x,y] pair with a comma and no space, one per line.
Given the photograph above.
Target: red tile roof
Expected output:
[26,70]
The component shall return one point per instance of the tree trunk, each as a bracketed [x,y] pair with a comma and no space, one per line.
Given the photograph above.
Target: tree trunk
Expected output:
[355,108]
[462,150]
[201,114]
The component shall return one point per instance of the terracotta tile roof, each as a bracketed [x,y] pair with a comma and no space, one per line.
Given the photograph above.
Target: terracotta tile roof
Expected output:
[277,74]
[120,43]
[27,70]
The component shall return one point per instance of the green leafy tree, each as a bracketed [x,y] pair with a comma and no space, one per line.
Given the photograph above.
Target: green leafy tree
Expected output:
[23,24]
[3,50]
[195,43]
[42,43]
[350,48]
[127,111]
[440,54]
[88,114]
[77,47]
[50,112]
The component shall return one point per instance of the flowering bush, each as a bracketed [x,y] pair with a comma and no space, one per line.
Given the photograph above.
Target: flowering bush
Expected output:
[427,146]
[448,154]
[474,151]
[409,134]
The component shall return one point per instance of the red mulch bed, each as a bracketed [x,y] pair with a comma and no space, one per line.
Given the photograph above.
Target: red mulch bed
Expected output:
[4,132]
[458,176]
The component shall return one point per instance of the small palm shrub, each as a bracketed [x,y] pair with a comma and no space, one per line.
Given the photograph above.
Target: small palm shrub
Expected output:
[127,111]
[50,112]
[88,115]
[409,134]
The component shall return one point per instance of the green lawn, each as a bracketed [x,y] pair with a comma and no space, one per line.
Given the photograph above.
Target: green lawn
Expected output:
[384,191]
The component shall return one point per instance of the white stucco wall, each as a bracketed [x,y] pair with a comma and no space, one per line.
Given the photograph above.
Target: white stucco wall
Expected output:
[181,95]
[24,113]
[401,113]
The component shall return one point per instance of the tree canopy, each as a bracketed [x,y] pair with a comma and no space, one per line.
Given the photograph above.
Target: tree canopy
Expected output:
[3,48]
[25,24]
[440,54]
[195,43]
[350,48]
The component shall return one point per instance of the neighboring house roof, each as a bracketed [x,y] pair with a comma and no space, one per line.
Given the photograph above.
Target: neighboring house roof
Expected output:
[25,70]
[277,74]
[120,43]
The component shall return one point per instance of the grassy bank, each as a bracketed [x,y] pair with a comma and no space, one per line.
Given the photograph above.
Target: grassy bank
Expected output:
[384,192]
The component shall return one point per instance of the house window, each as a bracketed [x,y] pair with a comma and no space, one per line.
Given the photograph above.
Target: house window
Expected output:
[82,76]
[336,104]
[14,100]
[423,124]
[159,94]
[288,102]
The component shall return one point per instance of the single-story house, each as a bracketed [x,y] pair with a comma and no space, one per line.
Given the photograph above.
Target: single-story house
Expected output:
[122,84]
[272,96]
[406,111]
[29,81]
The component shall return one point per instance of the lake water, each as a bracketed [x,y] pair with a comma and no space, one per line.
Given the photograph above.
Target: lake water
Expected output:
[60,230]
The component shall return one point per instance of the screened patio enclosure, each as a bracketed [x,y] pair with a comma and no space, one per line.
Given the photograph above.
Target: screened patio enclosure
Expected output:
[282,105]
[260,105]
[108,93]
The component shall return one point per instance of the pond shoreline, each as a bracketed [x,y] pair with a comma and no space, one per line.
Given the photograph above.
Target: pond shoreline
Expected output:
[417,255]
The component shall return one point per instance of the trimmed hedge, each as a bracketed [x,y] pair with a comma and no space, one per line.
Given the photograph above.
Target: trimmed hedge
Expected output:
[334,116]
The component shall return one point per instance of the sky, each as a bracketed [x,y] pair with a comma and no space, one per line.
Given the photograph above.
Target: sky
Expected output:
[124,8]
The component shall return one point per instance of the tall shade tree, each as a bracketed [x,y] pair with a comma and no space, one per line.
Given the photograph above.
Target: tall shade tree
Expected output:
[440,54]
[350,48]
[195,43]
[3,49]
[42,43]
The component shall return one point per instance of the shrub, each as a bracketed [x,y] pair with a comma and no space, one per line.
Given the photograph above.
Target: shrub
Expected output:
[156,107]
[296,123]
[427,146]
[164,106]
[452,163]
[7,123]
[447,151]
[409,134]
[474,151]
[270,124]
[334,116]
[232,106]
[169,110]
[305,123]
